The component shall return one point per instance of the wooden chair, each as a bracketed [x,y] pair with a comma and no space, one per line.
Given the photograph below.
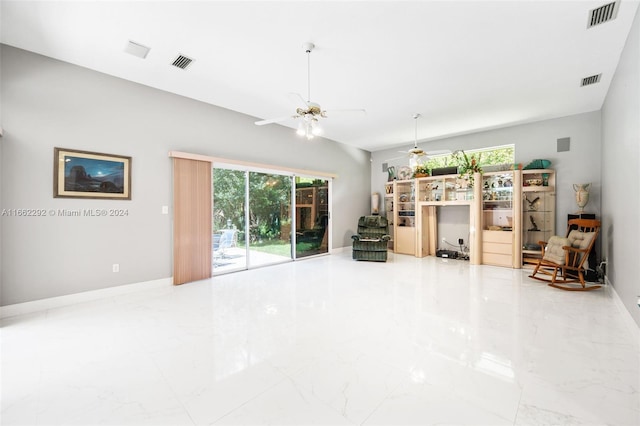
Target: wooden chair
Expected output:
[564,259]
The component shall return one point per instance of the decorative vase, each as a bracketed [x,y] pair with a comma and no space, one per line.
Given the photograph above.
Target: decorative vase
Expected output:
[582,195]
[375,203]
[391,173]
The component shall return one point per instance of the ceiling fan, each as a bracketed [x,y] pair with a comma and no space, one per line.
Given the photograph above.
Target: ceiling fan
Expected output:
[309,112]
[417,155]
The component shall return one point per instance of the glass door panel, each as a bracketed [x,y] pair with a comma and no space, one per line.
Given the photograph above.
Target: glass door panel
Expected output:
[229,237]
[269,218]
[312,216]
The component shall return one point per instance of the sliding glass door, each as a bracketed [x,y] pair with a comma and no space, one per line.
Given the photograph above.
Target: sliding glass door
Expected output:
[312,216]
[259,216]
[229,220]
[269,218]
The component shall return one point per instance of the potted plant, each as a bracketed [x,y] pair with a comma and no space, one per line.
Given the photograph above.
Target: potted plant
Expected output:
[467,166]
[421,170]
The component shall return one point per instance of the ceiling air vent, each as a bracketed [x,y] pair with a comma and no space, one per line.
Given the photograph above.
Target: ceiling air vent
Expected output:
[593,79]
[137,49]
[603,14]
[182,62]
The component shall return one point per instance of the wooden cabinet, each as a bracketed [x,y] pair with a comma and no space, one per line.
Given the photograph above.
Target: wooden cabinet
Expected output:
[510,211]
[538,211]
[501,218]
[404,205]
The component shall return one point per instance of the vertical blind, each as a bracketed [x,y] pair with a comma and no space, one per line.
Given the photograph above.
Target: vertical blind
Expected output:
[192,220]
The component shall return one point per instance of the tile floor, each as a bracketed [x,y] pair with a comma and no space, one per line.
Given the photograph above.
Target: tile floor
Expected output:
[329,341]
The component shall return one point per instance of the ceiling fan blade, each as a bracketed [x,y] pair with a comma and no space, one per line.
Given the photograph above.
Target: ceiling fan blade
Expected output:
[394,159]
[361,111]
[438,152]
[298,99]
[275,120]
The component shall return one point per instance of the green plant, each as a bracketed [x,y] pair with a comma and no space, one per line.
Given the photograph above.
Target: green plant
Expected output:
[421,169]
[467,166]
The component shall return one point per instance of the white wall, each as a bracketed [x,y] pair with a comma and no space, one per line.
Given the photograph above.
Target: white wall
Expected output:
[532,141]
[48,103]
[620,174]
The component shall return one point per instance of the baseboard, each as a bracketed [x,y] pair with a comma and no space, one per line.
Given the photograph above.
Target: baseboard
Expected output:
[86,296]
[633,327]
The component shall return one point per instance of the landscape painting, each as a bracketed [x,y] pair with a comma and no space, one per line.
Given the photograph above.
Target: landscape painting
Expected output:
[83,174]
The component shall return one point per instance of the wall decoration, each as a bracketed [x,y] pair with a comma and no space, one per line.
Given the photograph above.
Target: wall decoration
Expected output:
[582,195]
[84,174]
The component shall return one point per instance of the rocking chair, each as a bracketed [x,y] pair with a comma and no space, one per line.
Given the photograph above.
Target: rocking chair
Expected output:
[564,259]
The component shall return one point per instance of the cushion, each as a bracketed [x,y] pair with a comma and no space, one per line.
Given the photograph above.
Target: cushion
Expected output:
[372,222]
[554,252]
[581,240]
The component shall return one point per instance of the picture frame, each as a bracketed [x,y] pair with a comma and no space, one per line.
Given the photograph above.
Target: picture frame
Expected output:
[86,174]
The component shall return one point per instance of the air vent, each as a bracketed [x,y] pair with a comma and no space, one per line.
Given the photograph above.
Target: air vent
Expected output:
[182,62]
[137,49]
[603,14]
[591,80]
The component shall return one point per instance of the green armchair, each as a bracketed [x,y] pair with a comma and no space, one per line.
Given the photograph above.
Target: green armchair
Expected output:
[370,243]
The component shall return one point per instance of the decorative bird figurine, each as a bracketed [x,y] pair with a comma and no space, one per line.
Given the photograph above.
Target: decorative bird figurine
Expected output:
[534,226]
[532,204]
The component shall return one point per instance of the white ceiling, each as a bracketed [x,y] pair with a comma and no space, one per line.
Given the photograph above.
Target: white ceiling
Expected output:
[465,66]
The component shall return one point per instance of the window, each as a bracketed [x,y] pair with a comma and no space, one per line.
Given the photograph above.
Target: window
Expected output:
[504,154]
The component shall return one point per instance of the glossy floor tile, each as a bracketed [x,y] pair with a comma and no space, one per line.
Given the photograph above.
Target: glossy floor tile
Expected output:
[329,341]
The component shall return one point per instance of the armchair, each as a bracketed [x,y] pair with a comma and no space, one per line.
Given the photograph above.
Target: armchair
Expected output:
[564,259]
[370,243]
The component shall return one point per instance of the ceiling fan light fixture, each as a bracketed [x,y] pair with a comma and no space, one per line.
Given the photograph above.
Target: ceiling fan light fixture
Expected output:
[309,127]
[413,162]
[301,129]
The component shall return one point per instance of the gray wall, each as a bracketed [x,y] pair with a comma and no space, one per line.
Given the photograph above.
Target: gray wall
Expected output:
[620,174]
[532,141]
[48,103]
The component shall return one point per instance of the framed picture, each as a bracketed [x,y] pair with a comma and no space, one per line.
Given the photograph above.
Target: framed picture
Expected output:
[83,174]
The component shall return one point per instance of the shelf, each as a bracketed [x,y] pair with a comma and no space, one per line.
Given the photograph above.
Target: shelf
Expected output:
[506,209]
[538,189]
[446,203]
[498,188]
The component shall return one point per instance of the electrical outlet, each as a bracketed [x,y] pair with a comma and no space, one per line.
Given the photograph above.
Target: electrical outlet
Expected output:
[116,267]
